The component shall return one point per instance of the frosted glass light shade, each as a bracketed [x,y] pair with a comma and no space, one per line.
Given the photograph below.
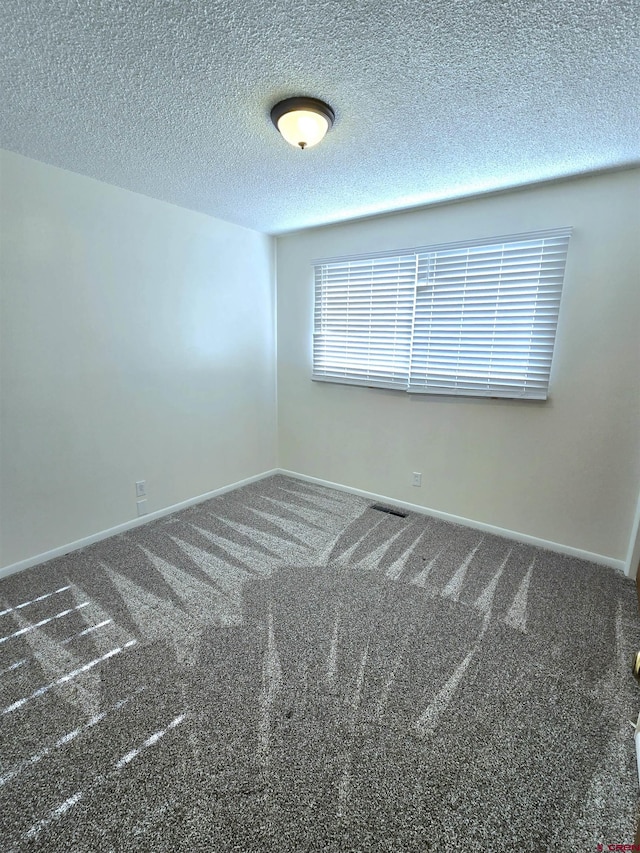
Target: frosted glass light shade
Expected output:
[302,128]
[303,122]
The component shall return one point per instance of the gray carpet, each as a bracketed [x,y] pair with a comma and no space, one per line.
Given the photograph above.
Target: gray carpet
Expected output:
[285,669]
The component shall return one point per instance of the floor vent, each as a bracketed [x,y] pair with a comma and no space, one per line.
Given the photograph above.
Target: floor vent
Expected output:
[389,510]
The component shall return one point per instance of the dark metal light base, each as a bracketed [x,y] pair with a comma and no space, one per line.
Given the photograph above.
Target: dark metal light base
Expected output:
[302,103]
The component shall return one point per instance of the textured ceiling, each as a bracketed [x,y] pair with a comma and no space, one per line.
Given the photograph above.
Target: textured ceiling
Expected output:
[434,100]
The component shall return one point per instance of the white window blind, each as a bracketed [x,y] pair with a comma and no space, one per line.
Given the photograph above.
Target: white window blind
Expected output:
[475,319]
[364,319]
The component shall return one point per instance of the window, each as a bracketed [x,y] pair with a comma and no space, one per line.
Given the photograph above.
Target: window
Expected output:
[475,319]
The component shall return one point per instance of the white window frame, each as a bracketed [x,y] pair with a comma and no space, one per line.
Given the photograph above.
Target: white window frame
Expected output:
[473,318]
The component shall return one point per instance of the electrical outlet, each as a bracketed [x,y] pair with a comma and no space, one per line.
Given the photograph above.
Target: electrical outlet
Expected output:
[142,507]
[141,488]
[417,478]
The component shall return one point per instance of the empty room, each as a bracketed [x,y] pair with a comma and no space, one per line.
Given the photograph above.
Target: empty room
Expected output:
[319,426]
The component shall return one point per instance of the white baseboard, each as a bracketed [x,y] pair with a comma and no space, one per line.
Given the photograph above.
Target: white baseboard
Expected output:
[127,525]
[620,565]
[601,559]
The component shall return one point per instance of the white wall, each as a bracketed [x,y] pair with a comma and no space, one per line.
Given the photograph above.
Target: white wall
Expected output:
[137,342]
[568,470]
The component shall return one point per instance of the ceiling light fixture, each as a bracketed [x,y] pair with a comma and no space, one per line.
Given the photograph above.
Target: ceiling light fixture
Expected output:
[302,121]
